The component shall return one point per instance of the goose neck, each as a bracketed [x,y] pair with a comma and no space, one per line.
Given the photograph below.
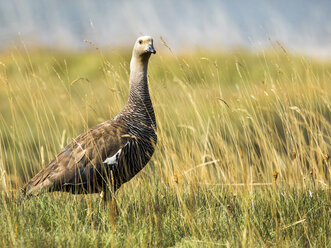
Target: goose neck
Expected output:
[138,69]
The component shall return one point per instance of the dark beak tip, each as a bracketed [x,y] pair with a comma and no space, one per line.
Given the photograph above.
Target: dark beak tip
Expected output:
[150,49]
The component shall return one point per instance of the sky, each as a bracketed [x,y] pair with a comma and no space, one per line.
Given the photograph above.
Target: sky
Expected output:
[302,26]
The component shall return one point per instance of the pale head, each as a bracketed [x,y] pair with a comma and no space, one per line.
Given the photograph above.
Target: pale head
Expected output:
[143,47]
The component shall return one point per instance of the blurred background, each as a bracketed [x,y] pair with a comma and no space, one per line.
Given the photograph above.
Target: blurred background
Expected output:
[302,26]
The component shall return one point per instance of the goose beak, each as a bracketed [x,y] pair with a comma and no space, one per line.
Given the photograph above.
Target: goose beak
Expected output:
[150,49]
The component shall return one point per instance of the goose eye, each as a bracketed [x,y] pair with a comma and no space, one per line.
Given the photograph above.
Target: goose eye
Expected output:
[140,41]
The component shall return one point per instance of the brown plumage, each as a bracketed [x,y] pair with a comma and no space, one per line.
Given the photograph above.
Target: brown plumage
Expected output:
[113,152]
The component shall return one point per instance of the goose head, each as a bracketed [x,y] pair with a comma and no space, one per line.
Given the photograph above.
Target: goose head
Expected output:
[144,47]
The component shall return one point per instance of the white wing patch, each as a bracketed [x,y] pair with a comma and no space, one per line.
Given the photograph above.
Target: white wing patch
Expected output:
[113,159]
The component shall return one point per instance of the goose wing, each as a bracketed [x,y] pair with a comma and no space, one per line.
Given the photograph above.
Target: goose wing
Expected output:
[87,152]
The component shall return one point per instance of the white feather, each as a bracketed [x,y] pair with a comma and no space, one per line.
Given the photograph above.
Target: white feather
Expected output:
[113,159]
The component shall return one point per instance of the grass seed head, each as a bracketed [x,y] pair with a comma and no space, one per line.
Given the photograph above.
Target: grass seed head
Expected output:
[175,177]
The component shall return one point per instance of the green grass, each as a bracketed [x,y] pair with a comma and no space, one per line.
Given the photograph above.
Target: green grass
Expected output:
[242,158]
[150,216]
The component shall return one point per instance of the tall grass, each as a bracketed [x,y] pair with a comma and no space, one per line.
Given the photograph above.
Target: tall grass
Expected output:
[242,158]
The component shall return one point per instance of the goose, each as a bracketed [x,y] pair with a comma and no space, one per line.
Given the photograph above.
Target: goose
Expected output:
[113,152]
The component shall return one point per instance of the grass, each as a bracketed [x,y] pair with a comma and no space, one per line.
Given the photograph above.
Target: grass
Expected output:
[242,159]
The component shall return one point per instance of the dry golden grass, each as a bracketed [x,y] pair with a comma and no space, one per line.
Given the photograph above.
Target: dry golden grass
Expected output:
[242,158]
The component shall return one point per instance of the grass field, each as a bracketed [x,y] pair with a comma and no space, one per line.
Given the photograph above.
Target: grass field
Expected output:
[242,158]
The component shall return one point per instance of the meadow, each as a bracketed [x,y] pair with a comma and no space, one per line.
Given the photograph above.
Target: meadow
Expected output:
[242,158]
